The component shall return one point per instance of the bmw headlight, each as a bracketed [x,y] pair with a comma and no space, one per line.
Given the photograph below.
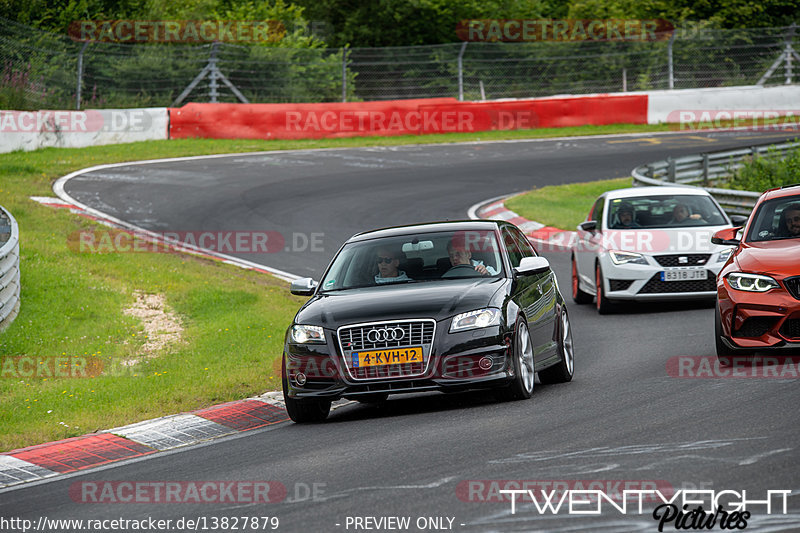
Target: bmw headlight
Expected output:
[724,255]
[480,318]
[307,334]
[623,258]
[742,281]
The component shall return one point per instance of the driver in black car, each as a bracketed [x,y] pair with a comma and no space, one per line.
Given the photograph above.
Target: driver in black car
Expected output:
[460,255]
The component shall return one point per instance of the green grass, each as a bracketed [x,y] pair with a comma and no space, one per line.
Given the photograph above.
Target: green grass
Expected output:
[72,303]
[563,206]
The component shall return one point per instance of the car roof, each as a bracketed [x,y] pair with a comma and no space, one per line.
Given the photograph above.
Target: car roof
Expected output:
[632,192]
[781,192]
[454,225]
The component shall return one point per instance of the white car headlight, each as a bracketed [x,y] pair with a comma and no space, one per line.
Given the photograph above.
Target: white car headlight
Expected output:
[622,258]
[480,318]
[307,334]
[742,281]
[724,255]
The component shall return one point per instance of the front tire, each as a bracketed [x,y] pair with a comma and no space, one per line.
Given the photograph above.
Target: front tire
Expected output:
[303,411]
[562,371]
[578,296]
[604,305]
[521,388]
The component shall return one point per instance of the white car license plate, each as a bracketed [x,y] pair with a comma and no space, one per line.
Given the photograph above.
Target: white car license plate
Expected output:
[684,275]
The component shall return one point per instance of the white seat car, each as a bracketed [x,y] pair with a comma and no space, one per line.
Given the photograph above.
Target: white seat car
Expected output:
[649,243]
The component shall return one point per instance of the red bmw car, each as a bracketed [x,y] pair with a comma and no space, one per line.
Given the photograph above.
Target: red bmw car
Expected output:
[758,289]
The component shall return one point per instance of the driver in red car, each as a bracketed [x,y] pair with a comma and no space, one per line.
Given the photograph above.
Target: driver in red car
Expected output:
[790,221]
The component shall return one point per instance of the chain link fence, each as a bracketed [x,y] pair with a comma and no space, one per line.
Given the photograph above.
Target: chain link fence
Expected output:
[41,70]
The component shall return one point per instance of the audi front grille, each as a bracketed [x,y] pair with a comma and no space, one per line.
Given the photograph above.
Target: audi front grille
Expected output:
[387,335]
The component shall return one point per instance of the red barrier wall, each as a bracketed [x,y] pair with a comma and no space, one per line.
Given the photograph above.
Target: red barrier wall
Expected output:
[398,117]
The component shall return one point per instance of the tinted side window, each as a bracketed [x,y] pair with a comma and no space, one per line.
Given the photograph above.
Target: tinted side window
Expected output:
[597,214]
[524,244]
[593,210]
[514,253]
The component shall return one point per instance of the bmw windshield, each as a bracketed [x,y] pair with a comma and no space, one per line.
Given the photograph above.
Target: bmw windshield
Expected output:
[428,257]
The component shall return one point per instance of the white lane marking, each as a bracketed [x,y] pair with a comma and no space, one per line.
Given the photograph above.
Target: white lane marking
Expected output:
[755,458]
[172,431]
[13,471]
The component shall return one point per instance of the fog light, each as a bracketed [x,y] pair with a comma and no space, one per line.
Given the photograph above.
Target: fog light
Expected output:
[485,363]
[300,378]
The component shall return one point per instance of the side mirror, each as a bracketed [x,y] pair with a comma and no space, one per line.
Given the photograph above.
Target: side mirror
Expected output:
[726,236]
[739,220]
[303,287]
[532,265]
[589,225]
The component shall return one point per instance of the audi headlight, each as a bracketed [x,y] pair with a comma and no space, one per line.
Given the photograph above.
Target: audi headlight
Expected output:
[622,258]
[480,318]
[724,255]
[307,334]
[742,281]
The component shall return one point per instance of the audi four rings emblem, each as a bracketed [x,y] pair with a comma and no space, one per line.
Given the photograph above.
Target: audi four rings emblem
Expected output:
[385,334]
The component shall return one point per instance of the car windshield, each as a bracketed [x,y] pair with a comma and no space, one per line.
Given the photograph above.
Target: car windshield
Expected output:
[776,219]
[664,211]
[437,256]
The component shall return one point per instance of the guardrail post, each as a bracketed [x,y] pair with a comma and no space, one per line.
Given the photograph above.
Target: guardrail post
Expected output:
[344,74]
[80,76]
[650,172]
[461,71]
[670,170]
[705,169]
[670,69]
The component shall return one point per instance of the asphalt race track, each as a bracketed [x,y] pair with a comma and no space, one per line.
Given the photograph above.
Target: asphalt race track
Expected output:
[623,418]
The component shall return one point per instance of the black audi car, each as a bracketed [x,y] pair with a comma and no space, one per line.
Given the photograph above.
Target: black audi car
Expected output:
[442,306]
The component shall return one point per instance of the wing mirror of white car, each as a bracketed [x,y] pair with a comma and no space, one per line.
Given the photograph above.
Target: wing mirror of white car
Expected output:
[303,287]
[532,265]
[589,225]
[726,236]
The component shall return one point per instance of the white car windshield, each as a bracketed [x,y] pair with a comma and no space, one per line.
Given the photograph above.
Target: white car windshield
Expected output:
[414,258]
[663,211]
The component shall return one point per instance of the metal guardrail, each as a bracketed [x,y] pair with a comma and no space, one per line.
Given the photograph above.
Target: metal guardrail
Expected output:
[9,269]
[708,169]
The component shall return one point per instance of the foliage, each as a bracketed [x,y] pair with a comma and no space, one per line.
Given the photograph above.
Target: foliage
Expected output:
[767,172]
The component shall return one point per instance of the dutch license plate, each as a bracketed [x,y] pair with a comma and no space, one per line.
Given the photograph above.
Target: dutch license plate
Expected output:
[684,275]
[388,356]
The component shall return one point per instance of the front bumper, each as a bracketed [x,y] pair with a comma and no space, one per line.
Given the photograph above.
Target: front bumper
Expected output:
[453,365]
[643,282]
[759,320]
